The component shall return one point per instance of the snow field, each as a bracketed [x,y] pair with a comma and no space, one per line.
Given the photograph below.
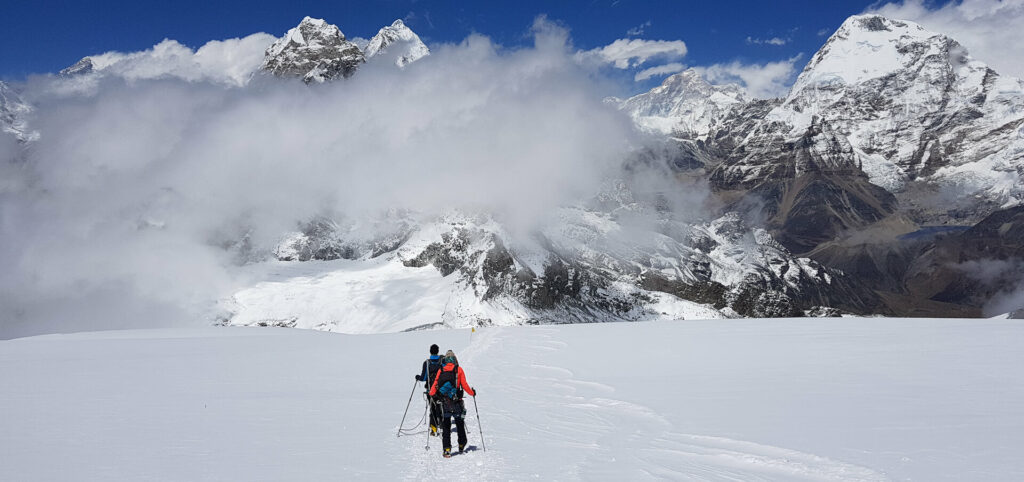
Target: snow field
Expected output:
[819,399]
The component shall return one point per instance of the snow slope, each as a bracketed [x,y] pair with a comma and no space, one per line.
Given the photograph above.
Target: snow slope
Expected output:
[838,399]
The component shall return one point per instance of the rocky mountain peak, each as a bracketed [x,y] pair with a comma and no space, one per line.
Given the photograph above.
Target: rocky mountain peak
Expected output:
[82,67]
[314,50]
[920,113]
[411,48]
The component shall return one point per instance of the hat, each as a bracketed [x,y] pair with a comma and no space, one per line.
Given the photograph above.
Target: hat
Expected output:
[449,357]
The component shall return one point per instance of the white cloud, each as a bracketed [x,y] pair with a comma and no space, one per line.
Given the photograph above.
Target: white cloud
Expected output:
[771,41]
[638,30]
[666,69]
[629,53]
[228,61]
[772,79]
[121,212]
[990,29]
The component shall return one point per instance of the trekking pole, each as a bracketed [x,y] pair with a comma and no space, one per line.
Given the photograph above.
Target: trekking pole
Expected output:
[399,433]
[426,414]
[478,426]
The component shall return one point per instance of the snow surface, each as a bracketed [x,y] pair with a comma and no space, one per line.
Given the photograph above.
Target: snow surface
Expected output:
[817,399]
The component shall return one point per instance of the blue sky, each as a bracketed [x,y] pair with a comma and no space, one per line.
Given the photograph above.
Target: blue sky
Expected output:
[760,45]
[45,36]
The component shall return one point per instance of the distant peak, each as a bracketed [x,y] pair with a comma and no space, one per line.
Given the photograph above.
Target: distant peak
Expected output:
[314,50]
[398,33]
[313,21]
[81,67]
[878,24]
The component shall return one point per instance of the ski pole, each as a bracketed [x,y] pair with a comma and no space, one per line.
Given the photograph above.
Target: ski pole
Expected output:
[399,433]
[478,426]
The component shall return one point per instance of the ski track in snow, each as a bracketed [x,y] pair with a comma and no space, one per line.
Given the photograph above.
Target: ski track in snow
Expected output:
[587,436]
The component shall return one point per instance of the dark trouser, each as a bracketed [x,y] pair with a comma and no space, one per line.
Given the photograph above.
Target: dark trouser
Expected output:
[435,411]
[446,431]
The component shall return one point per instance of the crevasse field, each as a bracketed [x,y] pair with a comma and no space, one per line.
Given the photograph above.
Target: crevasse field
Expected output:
[826,399]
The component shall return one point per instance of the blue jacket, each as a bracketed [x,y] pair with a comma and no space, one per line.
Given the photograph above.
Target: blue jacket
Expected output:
[423,373]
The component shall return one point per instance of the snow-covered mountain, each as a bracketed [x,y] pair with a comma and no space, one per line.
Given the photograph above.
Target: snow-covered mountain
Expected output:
[827,231]
[920,116]
[400,40]
[889,128]
[314,51]
[822,203]
[588,263]
[12,115]
[684,105]
[318,52]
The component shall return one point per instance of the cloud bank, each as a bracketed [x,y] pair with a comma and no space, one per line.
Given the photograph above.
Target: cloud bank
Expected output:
[629,53]
[228,61]
[765,80]
[990,29]
[131,207]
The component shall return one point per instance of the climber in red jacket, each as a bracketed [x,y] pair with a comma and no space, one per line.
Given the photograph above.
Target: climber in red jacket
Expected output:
[449,384]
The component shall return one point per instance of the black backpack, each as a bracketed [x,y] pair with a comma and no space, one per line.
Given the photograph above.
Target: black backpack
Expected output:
[448,384]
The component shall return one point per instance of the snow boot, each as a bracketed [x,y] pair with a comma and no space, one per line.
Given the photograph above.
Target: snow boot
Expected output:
[433,430]
[447,453]
[462,447]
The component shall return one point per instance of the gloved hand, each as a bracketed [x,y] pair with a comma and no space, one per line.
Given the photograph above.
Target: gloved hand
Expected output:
[419,378]
[474,391]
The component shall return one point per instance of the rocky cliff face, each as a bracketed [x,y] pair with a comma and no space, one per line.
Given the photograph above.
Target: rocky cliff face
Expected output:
[314,51]
[974,266]
[920,114]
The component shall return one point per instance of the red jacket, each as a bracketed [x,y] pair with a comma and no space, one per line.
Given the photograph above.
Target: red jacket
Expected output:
[461,380]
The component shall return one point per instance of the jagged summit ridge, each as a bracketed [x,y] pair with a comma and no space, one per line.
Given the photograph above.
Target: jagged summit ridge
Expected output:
[401,37]
[82,67]
[314,51]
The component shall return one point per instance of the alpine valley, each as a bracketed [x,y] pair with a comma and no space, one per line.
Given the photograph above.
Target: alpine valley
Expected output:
[890,172]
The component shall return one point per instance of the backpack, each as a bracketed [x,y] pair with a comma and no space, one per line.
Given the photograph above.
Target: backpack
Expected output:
[432,368]
[448,384]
